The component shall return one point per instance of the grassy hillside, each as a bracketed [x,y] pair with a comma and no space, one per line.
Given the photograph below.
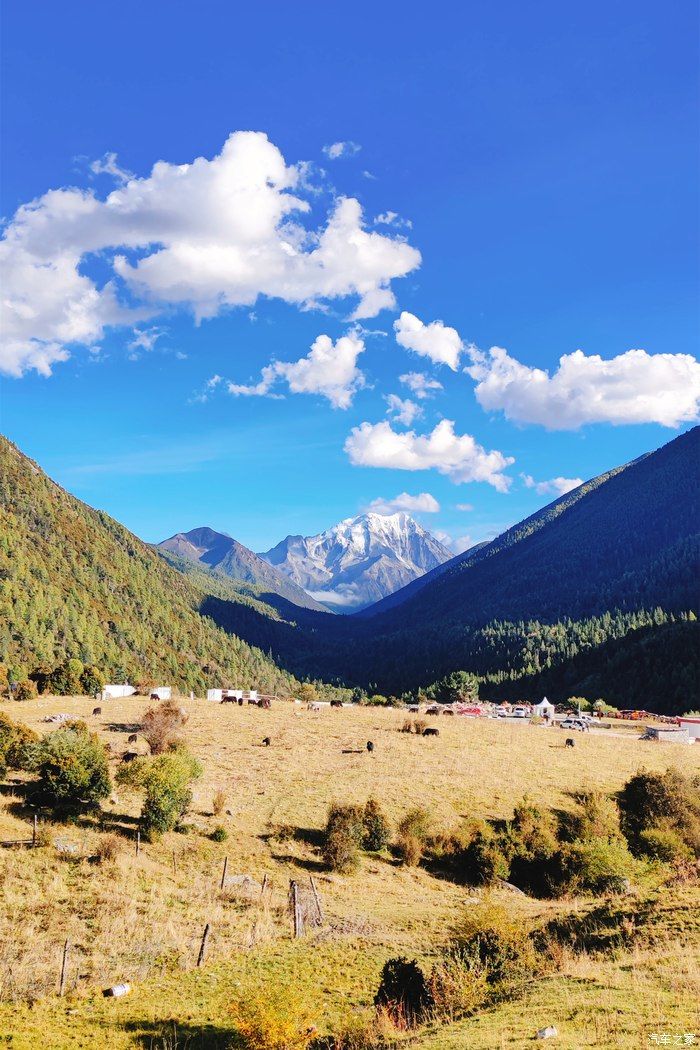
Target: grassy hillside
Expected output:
[141,919]
[75,583]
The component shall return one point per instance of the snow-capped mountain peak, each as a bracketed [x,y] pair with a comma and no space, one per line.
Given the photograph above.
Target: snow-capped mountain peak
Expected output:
[359,560]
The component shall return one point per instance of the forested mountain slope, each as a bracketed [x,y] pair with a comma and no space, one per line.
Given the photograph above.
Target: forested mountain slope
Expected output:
[625,540]
[76,583]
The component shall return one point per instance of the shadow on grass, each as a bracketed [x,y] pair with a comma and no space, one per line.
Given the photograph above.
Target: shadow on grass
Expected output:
[172,1035]
[308,865]
[123,727]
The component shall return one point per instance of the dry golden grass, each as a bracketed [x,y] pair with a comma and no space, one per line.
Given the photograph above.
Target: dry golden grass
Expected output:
[142,919]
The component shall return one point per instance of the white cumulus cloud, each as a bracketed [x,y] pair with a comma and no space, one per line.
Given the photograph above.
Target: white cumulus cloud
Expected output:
[420,384]
[458,456]
[206,236]
[403,410]
[336,150]
[329,369]
[555,486]
[435,340]
[634,387]
[423,503]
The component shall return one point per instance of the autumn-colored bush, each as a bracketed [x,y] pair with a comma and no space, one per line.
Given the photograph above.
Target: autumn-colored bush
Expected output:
[25,690]
[161,726]
[108,848]
[16,741]
[273,1019]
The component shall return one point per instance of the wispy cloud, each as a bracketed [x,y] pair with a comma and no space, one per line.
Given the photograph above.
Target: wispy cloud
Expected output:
[172,459]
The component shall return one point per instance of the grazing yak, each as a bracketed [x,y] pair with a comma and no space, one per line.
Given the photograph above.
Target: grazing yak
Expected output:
[570,742]
[266,741]
[370,746]
[229,700]
[97,711]
[129,756]
[132,738]
[336,703]
[431,731]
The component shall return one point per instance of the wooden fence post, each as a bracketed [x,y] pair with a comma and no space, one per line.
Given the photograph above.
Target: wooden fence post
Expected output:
[319,909]
[296,909]
[264,886]
[174,864]
[64,961]
[34,831]
[203,945]
[138,843]
[223,874]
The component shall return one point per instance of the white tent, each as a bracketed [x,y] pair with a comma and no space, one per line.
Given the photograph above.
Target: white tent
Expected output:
[544,709]
[113,692]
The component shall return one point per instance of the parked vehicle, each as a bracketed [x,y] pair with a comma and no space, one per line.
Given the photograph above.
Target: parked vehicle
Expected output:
[575,723]
[521,712]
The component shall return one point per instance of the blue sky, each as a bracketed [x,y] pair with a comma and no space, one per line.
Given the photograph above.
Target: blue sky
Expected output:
[544,157]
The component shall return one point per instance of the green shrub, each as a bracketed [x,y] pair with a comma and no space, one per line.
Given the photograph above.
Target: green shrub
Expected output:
[664,844]
[404,992]
[483,861]
[92,680]
[496,944]
[597,817]
[413,831]
[219,834]
[16,741]
[596,864]
[376,827]
[529,843]
[73,769]
[25,690]
[457,987]
[670,800]
[417,822]
[343,836]
[167,781]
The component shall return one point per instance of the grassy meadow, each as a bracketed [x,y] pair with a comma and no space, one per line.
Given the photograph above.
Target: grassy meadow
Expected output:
[141,918]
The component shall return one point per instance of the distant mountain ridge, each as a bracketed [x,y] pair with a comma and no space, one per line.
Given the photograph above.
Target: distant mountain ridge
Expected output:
[360,560]
[220,552]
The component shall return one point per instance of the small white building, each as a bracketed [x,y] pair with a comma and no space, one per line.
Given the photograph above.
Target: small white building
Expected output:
[692,725]
[163,692]
[114,692]
[544,709]
[217,695]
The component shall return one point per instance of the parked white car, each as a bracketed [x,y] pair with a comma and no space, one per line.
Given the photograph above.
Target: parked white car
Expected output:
[520,712]
[575,723]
